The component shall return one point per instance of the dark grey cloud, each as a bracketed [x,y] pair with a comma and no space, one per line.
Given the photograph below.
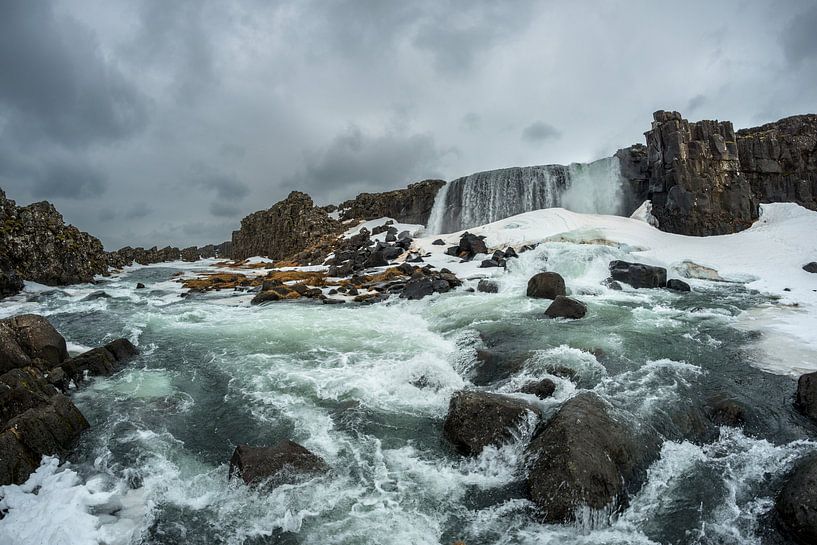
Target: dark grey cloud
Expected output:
[226,187]
[67,180]
[224,210]
[358,161]
[56,83]
[539,131]
[800,36]
[151,122]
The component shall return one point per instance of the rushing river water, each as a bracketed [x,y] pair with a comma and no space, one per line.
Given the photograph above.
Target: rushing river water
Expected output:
[367,388]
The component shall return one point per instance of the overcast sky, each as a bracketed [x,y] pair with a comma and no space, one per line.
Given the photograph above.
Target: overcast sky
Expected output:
[165,122]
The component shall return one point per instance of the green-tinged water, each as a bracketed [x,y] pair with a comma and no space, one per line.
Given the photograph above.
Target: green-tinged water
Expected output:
[367,388]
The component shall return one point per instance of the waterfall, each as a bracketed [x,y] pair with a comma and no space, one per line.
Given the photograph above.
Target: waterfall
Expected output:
[489,196]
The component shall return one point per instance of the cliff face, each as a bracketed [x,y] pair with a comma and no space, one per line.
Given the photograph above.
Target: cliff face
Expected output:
[286,228]
[780,160]
[705,179]
[695,181]
[37,244]
[410,205]
[129,256]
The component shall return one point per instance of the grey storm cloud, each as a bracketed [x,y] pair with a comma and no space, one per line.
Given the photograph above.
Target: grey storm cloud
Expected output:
[539,131]
[150,122]
[800,36]
[356,161]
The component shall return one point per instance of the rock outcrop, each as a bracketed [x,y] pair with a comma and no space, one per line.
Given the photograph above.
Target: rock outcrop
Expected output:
[695,181]
[275,465]
[410,205]
[477,419]
[805,399]
[128,256]
[36,418]
[780,160]
[283,230]
[583,457]
[796,505]
[37,245]
[703,178]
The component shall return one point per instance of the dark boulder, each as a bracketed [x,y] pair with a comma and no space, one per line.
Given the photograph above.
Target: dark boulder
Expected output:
[723,411]
[38,339]
[810,267]
[583,457]
[452,251]
[510,252]
[805,399]
[797,503]
[140,286]
[425,282]
[542,389]
[566,307]
[478,419]
[52,428]
[376,259]
[487,286]
[677,285]
[100,361]
[638,275]
[392,252]
[439,242]
[489,263]
[611,284]
[546,285]
[17,461]
[471,245]
[122,349]
[276,465]
[10,281]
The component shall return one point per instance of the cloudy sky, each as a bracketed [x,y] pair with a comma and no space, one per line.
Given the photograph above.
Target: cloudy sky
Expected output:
[155,122]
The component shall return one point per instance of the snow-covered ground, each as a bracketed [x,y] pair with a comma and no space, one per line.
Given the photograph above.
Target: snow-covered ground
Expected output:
[767,257]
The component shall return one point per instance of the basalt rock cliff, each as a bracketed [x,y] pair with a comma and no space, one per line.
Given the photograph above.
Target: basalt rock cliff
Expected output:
[129,256]
[703,178]
[286,228]
[410,205]
[37,245]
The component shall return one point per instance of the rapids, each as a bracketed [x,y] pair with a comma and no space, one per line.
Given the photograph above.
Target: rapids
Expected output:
[367,388]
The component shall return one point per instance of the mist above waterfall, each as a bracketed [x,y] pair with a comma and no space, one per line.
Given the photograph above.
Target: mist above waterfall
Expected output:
[485,197]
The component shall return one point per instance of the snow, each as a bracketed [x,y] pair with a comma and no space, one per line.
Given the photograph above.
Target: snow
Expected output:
[768,257]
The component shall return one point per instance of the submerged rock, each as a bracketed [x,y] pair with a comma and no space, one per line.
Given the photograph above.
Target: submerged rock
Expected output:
[274,465]
[566,307]
[546,285]
[638,275]
[677,285]
[805,399]
[797,503]
[478,419]
[583,457]
[542,389]
[487,286]
[140,286]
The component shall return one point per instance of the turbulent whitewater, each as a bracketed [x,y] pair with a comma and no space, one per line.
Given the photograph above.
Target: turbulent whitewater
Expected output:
[367,388]
[485,197]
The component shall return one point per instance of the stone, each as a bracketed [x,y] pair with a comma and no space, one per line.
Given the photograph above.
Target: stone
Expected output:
[796,505]
[584,457]
[471,245]
[546,285]
[17,461]
[724,411]
[510,252]
[805,400]
[566,307]
[391,238]
[638,275]
[275,465]
[677,285]
[50,429]
[42,248]
[410,205]
[612,284]
[439,242]
[487,286]
[478,419]
[286,228]
[542,389]
[810,267]
[489,263]
[38,339]
[122,349]
[140,286]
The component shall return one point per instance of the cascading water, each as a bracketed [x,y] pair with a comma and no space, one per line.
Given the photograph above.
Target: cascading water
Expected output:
[485,197]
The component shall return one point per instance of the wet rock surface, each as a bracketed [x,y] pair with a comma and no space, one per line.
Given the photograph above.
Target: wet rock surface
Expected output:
[546,285]
[805,399]
[638,275]
[583,457]
[410,205]
[478,419]
[566,307]
[796,505]
[276,465]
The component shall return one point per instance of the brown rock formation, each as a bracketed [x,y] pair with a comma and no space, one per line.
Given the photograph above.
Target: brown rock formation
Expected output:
[285,229]
[410,205]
